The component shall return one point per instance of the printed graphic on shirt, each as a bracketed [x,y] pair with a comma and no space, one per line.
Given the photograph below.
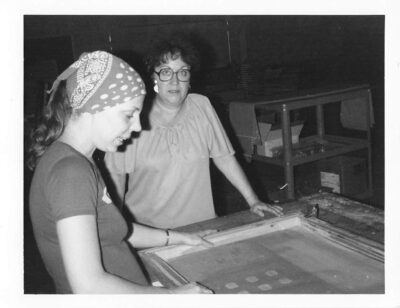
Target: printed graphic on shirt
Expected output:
[106,197]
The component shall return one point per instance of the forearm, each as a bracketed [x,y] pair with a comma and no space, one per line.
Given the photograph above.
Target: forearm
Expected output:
[110,284]
[231,169]
[105,283]
[81,257]
[145,237]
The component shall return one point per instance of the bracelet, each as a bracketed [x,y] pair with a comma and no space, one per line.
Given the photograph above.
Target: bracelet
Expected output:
[167,233]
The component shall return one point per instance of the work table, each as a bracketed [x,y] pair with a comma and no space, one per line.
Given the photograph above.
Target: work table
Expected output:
[353,216]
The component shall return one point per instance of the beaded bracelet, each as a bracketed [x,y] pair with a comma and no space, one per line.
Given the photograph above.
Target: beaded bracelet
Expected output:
[167,233]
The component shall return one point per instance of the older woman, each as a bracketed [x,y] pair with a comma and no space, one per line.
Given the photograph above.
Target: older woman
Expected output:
[168,165]
[80,233]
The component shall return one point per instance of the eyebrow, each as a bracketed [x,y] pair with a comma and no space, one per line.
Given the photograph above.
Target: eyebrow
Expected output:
[183,67]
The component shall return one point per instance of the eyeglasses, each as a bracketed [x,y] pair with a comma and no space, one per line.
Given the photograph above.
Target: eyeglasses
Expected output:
[166,74]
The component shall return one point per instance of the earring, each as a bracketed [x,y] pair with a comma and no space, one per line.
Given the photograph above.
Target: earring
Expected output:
[155,88]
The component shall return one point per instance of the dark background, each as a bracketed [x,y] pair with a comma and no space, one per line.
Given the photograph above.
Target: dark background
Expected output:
[242,56]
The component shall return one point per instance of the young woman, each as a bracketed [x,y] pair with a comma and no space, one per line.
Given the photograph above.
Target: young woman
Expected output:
[81,234]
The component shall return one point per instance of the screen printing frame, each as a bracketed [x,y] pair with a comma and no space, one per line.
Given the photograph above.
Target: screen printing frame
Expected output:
[156,259]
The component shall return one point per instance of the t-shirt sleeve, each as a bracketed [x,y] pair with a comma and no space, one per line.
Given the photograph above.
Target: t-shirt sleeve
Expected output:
[72,189]
[217,139]
[121,162]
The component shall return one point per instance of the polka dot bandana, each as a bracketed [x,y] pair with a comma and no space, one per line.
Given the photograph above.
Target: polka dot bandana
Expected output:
[100,80]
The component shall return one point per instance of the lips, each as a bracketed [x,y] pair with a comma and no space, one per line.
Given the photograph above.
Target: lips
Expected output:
[119,140]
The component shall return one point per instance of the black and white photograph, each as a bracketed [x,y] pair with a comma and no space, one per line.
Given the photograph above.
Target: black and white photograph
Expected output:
[244,157]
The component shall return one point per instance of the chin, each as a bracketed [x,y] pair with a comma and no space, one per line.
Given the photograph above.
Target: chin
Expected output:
[108,148]
[111,148]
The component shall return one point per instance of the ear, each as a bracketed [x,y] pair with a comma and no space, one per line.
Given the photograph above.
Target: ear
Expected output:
[153,76]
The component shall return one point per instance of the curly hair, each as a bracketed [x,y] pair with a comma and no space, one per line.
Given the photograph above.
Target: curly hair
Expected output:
[178,45]
[55,116]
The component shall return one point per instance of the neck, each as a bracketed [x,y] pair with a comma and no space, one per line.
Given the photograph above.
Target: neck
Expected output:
[166,114]
[166,108]
[73,136]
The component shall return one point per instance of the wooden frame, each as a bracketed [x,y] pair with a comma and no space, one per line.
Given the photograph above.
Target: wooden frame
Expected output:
[157,259]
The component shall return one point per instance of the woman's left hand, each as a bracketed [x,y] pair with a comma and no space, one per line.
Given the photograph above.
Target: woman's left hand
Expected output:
[195,238]
[260,207]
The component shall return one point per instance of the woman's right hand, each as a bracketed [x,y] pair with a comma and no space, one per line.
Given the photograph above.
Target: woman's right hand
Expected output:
[191,288]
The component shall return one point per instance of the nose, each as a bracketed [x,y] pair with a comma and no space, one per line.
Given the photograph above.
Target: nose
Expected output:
[174,78]
[135,126]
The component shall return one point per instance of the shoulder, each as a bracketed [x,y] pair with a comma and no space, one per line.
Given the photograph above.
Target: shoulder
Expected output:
[69,164]
[195,98]
[199,102]
[73,164]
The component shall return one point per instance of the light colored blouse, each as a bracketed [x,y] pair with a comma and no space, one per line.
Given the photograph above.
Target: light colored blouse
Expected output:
[168,166]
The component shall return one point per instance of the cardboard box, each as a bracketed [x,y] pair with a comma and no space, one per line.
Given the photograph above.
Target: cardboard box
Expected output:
[330,180]
[345,175]
[271,139]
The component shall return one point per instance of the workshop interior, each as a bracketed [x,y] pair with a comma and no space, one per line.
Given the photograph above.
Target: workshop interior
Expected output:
[301,98]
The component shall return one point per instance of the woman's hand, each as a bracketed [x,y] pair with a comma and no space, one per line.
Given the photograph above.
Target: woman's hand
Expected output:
[193,239]
[260,207]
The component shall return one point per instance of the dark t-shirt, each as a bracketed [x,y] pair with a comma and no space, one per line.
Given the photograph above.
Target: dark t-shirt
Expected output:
[65,184]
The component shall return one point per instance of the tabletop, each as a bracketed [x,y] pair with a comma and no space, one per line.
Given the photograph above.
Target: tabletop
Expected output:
[350,215]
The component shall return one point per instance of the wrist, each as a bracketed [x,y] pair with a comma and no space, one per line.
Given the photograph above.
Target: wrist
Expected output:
[252,201]
[174,237]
